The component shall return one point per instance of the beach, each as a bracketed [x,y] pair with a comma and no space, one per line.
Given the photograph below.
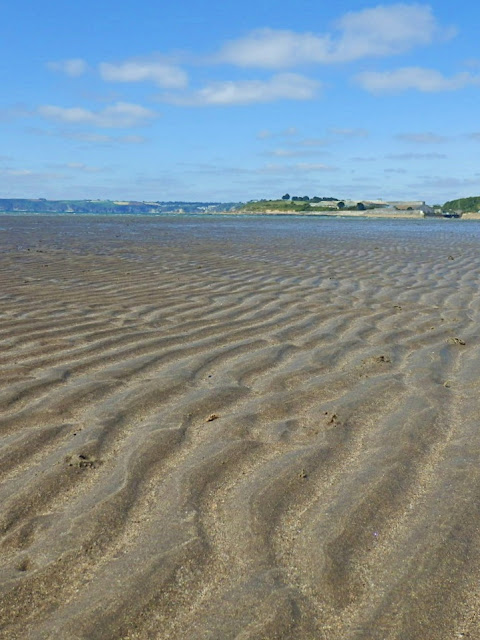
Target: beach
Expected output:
[239,428]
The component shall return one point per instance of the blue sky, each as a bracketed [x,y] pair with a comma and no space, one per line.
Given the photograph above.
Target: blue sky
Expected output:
[237,101]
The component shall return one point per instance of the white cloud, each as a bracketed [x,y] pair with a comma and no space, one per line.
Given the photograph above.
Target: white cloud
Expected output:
[163,74]
[120,115]
[387,30]
[421,79]
[285,86]
[275,49]
[422,138]
[379,31]
[72,67]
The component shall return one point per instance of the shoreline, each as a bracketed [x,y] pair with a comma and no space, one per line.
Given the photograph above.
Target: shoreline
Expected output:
[369,214]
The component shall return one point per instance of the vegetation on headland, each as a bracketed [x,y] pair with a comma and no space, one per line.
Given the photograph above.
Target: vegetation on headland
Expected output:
[462,205]
[302,205]
[257,206]
[292,204]
[305,204]
[41,205]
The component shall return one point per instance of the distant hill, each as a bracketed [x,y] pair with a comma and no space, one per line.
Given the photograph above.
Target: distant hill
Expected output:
[463,204]
[259,206]
[40,205]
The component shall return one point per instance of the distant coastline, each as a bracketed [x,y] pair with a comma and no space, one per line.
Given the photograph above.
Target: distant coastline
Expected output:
[42,205]
[465,208]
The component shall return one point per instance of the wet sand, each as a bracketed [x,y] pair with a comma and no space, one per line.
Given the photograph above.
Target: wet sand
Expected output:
[239,429]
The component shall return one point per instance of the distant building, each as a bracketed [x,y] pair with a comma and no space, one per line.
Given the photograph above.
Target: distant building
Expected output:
[415,205]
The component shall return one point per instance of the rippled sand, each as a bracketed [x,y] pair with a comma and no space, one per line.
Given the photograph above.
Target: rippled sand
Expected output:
[218,429]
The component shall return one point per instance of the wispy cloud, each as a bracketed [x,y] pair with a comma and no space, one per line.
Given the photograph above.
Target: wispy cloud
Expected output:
[445,182]
[418,78]
[131,139]
[294,152]
[378,31]
[265,134]
[473,63]
[27,175]
[100,138]
[88,137]
[72,67]
[284,153]
[298,168]
[422,138]
[416,156]
[349,133]
[120,115]
[314,142]
[314,166]
[78,167]
[14,111]
[267,169]
[284,86]
[162,73]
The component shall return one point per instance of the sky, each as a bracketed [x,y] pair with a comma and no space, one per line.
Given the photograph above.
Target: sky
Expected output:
[230,101]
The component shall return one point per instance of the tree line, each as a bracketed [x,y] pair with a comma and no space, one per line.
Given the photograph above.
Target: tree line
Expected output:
[308,199]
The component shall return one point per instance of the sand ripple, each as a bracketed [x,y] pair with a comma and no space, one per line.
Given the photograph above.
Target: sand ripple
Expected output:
[243,432]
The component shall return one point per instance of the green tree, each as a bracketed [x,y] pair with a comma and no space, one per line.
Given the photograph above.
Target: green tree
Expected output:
[463,204]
